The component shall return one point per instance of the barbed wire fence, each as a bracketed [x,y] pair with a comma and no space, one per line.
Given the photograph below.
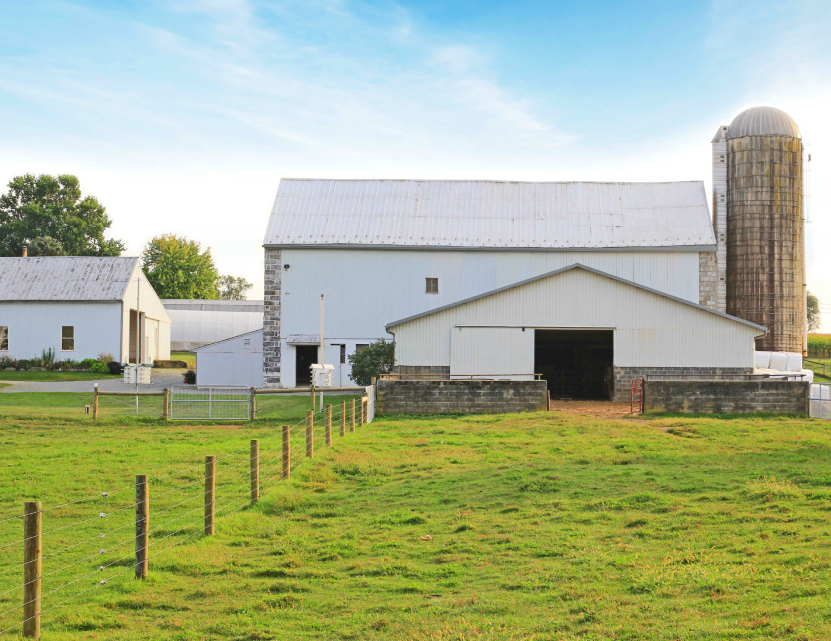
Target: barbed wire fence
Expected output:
[63,561]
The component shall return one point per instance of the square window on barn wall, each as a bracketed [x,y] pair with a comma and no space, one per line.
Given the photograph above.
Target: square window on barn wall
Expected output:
[360,346]
[432,286]
[4,338]
[342,352]
[68,338]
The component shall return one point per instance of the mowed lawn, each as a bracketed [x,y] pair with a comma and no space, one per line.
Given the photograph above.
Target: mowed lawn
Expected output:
[543,526]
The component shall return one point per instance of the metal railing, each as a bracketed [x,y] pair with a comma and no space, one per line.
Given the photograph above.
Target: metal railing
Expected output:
[212,402]
[819,401]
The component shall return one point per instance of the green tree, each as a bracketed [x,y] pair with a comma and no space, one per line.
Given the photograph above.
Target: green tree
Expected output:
[46,246]
[178,268]
[373,360]
[43,207]
[231,288]
[813,313]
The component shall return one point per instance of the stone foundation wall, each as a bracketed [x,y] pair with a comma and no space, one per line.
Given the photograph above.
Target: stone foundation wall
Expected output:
[271,317]
[625,375]
[466,397]
[728,397]
[707,279]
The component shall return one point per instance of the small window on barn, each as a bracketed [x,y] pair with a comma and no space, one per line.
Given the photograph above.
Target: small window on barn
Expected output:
[246,344]
[4,338]
[432,286]
[68,338]
[360,346]
[342,352]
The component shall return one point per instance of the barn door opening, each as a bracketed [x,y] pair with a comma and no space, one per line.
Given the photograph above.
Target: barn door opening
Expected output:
[576,363]
[304,357]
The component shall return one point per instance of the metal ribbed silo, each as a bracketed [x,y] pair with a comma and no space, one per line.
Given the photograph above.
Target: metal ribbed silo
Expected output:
[765,233]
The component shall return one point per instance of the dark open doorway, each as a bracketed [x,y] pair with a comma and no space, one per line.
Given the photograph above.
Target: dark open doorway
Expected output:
[304,357]
[576,363]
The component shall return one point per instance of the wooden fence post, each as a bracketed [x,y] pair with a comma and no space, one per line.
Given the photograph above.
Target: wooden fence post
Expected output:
[352,418]
[253,404]
[166,401]
[142,525]
[255,470]
[312,387]
[310,437]
[95,403]
[286,451]
[343,418]
[329,425]
[32,534]
[210,494]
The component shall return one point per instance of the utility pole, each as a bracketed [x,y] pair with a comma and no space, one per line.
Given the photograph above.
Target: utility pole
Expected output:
[320,361]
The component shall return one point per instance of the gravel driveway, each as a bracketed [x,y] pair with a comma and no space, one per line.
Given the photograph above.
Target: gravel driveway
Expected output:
[107,385]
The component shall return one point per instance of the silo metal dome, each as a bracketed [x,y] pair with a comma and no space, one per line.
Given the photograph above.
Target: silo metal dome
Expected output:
[763,121]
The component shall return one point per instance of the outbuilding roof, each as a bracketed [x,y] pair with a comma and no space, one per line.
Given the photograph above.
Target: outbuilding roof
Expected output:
[567,269]
[69,278]
[461,214]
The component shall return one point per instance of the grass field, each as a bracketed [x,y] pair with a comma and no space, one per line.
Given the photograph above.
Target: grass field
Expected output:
[817,369]
[187,357]
[54,376]
[543,526]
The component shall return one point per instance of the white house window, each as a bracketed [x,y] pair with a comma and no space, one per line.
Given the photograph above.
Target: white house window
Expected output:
[432,286]
[68,338]
[4,338]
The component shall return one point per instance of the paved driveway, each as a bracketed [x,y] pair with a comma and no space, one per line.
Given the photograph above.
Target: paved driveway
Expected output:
[107,385]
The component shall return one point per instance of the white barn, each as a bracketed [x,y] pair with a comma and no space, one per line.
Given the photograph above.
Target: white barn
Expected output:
[200,322]
[233,361]
[382,250]
[587,332]
[81,306]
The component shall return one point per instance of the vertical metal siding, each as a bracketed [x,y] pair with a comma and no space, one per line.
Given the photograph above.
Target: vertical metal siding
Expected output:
[366,289]
[489,351]
[650,330]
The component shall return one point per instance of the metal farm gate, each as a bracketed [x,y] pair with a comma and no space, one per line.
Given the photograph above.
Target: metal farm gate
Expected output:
[819,401]
[210,402]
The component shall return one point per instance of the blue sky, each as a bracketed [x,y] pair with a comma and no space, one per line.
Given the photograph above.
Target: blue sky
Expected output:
[183,115]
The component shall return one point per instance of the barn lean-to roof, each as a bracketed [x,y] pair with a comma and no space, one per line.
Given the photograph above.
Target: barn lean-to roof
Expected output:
[459,214]
[65,278]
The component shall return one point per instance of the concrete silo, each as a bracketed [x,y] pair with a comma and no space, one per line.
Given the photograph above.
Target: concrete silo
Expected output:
[758,219]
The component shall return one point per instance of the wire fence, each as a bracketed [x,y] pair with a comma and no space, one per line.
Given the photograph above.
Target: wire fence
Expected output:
[90,543]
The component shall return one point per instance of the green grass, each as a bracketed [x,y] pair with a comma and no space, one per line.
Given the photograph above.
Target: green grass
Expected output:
[54,376]
[2,385]
[817,369]
[187,357]
[543,526]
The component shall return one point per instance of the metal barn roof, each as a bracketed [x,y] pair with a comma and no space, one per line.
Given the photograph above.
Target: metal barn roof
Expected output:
[489,215]
[763,121]
[70,278]
[209,305]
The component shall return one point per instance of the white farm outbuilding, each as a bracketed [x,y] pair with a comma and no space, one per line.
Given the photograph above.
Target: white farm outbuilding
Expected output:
[81,306]
[233,361]
[200,322]
[582,329]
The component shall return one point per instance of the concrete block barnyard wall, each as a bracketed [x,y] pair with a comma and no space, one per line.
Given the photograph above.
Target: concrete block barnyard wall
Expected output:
[728,397]
[465,397]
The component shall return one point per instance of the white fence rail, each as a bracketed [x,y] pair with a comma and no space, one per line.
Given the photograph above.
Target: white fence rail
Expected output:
[819,401]
[210,402]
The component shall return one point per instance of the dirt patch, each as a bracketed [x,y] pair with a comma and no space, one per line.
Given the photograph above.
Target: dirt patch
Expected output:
[597,409]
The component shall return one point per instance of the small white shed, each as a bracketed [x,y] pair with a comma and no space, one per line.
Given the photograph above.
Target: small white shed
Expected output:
[233,361]
[81,306]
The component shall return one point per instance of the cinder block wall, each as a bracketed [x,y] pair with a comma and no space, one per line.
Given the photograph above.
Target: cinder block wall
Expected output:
[728,397]
[625,375]
[467,397]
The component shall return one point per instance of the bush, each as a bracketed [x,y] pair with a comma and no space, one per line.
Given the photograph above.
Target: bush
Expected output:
[190,377]
[24,364]
[105,358]
[87,363]
[115,368]
[373,360]
[47,358]
[99,368]
[8,361]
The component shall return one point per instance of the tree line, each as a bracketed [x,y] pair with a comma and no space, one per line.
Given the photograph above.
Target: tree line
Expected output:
[49,215]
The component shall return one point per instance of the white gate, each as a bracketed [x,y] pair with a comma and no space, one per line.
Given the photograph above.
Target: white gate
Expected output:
[819,400]
[210,402]
[370,405]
